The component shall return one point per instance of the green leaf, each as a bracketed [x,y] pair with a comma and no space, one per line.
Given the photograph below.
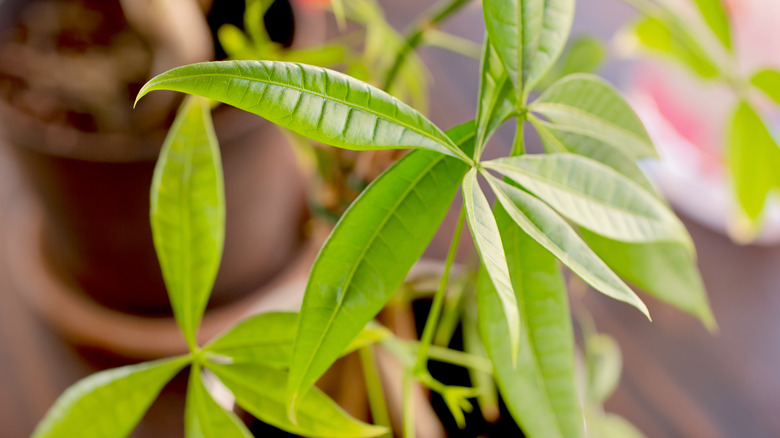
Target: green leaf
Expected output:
[671,39]
[586,54]
[604,365]
[515,28]
[204,418]
[496,102]
[595,196]
[754,160]
[369,253]
[321,104]
[544,225]
[188,213]
[680,284]
[588,106]
[262,392]
[715,16]
[556,141]
[558,19]
[540,390]
[487,239]
[482,381]
[768,81]
[611,426]
[110,403]
[267,339]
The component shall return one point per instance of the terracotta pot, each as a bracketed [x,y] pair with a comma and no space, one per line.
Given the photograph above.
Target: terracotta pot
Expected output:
[83,225]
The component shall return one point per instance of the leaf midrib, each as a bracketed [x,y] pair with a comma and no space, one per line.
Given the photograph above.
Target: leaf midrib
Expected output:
[447,144]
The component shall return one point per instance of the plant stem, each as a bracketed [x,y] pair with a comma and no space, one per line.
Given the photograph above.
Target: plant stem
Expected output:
[415,36]
[376,395]
[408,406]
[518,147]
[438,298]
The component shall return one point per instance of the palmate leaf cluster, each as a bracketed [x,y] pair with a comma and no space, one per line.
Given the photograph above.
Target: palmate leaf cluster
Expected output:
[708,53]
[584,205]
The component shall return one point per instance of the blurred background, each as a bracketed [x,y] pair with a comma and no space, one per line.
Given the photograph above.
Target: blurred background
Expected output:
[80,289]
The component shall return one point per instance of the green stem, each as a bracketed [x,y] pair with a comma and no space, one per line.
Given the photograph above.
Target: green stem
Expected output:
[460,358]
[450,316]
[438,298]
[518,147]
[376,395]
[415,36]
[408,404]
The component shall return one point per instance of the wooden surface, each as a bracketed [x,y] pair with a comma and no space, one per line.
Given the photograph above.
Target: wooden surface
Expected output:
[679,380]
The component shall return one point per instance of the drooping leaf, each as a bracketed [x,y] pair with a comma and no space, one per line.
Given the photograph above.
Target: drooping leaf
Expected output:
[487,239]
[369,253]
[267,339]
[514,28]
[262,392]
[204,418]
[558,19]
[540,389]
[108,404]
[679,284]
[321,104]
[604,363]
[556,141]
[496,101]
[716,18]
[544,225]
[754,160]
[588,106]
[188,213]
[670,38]
[768,81]
[595,197]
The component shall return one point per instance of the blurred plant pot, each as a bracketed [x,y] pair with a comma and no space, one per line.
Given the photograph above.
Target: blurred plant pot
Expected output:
[81,248]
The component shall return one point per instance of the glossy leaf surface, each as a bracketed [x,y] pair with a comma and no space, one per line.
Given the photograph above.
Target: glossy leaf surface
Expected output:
[487,239]
[550,230]
[588,106]
[321,104]
[540,389]
[515,28]
[558,19]
[108,404]
[496,101]
[768,81]
[262,392]
[369,253]
[188,213]
[666,271]
[204,418]
[715,16]
[595,196]
[754,160]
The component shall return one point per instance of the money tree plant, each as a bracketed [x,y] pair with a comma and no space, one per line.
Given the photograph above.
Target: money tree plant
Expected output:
[584,205]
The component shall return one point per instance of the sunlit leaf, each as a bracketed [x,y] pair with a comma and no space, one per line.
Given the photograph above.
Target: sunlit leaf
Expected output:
[262,392]
[321,104]
[496,101]
[369,253]
[665,270]
[544,225]
[558,19]
[768,81]
[204,418]
[754,160]
[716,18]
[188,213]
[108,404]
[604,364]
[540,389]
[595,196]
[587,106]
[487,239]
[611,426]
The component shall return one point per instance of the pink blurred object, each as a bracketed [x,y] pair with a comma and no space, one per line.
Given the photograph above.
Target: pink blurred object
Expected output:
[688,120]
